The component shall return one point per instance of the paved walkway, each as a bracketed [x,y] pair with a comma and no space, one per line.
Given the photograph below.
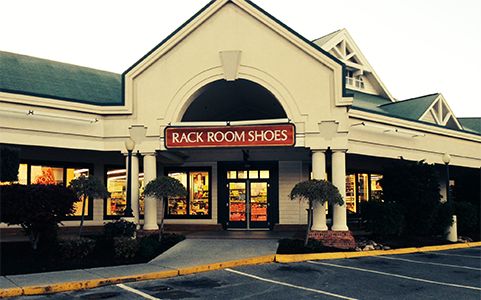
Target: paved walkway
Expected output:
[188,253]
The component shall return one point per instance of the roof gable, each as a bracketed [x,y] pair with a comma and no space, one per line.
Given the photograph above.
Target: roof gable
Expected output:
[252,9]
[440,113]
[363,77]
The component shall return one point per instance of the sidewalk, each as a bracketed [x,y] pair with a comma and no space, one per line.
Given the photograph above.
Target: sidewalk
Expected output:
[188,256]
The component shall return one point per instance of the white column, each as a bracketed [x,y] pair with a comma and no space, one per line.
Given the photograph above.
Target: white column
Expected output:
[150,203]
[339,180]
[134,185]
[319,172]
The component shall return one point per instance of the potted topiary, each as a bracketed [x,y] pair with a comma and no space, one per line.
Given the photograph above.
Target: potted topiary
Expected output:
[87,187]
[314,190]
[162,188]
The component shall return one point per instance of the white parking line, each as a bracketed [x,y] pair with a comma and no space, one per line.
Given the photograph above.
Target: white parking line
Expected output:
[427,263]
[288,284]
[140,293]
[398,276]
[449,254]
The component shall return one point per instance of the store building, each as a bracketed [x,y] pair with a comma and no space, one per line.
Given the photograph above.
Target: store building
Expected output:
[239,108]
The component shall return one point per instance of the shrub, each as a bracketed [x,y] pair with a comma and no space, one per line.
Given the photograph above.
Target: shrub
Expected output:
[467,216]
[150,246]
[9,162]
[383,218]
[125,248]
[415,187]
[443,219]
[37,208]
[78,248]
[119,228]
[315,191]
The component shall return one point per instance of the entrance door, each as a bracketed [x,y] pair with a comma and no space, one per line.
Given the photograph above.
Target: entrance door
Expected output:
[248,199]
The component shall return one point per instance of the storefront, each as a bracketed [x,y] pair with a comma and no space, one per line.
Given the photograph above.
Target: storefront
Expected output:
[237,107]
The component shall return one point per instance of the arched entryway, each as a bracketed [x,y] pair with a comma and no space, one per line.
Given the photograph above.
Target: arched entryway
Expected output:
[237,100]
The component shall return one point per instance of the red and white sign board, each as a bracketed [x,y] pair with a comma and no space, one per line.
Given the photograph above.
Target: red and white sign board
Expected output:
[230,136]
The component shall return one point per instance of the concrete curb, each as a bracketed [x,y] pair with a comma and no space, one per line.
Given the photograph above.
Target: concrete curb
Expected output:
[280,258]
[287,258]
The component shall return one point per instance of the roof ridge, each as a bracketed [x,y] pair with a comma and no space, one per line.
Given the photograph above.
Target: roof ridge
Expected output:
[326,35]
[56,62]
[406,100]
[464,118]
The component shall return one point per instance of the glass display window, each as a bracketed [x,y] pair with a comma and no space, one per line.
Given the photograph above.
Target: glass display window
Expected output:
[231,174]
[199,193]
[40,173]
[197,202]
[116,186]
[376,188]
[264,174]
[253,174]
[73,173]
[351,193]
[177,206]
[46,175]
[363,187]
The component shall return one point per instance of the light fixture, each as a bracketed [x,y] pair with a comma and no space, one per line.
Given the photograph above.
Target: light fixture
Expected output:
[129,144]
[446,158]
[34,113]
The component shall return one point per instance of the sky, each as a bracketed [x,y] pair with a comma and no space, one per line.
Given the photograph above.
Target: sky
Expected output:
[416,47]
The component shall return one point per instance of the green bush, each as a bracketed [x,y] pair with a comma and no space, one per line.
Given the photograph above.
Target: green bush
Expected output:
[414,186]
[78,248]
[383,218]
[9,162]
[125,248]
[37,208]
[119,228]
[150,246]
[443,219]
[467,216]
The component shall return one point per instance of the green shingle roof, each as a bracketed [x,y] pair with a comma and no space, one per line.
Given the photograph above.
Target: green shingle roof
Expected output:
[471,124]
[412,108]
[28,75]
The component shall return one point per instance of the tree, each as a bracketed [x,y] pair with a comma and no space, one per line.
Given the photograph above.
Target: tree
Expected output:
[162,188]
[87,188]
[9,162]
[414,186]
[38,208]
[315,191]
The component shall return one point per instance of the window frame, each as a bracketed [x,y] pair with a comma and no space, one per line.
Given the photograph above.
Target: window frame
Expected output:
[189,171]
[64,165]
[115,217]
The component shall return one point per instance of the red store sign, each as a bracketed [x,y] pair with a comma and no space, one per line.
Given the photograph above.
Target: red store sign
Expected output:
[230,136]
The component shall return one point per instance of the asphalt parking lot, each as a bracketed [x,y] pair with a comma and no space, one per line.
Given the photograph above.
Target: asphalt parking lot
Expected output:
[452,274]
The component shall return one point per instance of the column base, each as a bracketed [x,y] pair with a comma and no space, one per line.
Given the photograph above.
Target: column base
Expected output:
[335,239]
[150,227]
[320,228]
[339,228]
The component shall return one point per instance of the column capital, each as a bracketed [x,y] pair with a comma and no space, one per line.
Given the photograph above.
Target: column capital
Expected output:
[318,150]
[151,153]
[339,150]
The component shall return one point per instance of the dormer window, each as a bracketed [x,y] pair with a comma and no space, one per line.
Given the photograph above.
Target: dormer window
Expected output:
[359,82]
[350,77]
[355,81]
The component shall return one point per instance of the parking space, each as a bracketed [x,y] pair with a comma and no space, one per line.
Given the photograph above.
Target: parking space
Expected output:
[453,274]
